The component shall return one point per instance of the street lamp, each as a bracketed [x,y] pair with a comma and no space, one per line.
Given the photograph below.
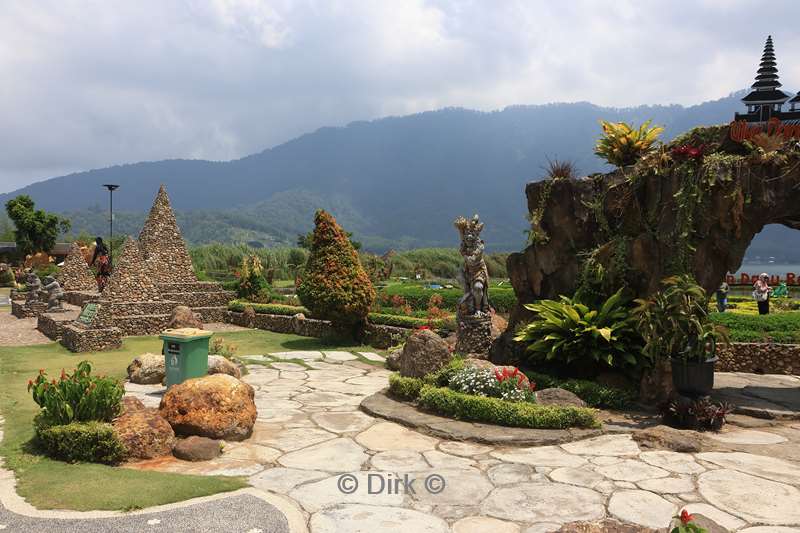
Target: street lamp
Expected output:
[111,188]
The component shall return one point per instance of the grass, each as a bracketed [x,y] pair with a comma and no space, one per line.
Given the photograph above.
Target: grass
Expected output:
[49,484]
[5,292]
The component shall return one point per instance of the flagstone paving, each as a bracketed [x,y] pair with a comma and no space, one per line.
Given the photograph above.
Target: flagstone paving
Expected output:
[311,444]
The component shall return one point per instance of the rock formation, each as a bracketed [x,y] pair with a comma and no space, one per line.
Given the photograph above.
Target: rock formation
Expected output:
[145,434]
[75,274]
[423,353]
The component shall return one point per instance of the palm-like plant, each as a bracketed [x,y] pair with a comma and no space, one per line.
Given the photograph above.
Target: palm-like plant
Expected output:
[674,322]
[623,145]
[570,331]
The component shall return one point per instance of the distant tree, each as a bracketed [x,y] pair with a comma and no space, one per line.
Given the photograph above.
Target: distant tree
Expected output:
[36,230]
[334,285]
[6,229]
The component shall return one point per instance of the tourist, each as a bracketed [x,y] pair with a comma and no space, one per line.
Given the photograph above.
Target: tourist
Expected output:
[761,292]
[722,297]
[103,263]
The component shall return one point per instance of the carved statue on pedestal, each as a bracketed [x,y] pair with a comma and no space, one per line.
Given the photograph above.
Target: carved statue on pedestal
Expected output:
[55,295]
[474,276]
[34,286]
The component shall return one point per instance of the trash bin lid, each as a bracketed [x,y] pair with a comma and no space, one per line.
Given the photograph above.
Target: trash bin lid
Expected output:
[185,333]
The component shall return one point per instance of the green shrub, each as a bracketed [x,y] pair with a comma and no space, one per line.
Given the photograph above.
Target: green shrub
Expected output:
[405,321]
[252,283]
[6,278]
[775,327]
[594,394]
[570,332]
[78,397]
[502,299]
[334,285]
[405,388]
[453,404]
[442,377]
[268,309]
[91,442]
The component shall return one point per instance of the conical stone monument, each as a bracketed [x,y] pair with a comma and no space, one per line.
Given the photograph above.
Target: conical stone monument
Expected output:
[75,275]
[131,280]
[163,246]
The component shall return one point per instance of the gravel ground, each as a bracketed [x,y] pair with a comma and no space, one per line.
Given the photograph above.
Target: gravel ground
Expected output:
[19,331]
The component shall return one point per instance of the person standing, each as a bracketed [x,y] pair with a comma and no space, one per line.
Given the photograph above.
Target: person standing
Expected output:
[722,297]
[103,263]
[761,293]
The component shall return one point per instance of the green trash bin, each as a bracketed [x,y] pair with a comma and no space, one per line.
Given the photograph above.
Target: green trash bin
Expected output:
[185,354]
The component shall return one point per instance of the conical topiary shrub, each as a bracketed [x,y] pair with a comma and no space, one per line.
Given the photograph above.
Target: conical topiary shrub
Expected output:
[334,285]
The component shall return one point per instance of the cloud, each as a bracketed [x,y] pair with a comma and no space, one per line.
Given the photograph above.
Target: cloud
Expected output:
[90,84]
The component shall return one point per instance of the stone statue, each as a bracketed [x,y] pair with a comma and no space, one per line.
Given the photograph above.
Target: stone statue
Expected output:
[474,276]
[55,295]
[34,286]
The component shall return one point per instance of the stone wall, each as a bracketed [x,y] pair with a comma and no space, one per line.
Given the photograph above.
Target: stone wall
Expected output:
[200,299]
[759,358]
[75,274]
[81,298]
[162,244]
[377,335]
[52,324]
[20,310]
[78,339]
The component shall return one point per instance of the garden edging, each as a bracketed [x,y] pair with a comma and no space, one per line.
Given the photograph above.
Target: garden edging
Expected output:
[382,405]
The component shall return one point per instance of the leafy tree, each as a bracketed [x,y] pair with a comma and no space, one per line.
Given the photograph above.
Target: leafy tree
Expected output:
[304,240]
[36,229]
[334,285]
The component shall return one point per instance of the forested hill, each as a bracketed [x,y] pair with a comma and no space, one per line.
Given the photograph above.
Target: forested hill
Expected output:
[395,182]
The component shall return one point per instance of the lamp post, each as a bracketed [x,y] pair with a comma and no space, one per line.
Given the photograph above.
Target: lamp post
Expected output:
[111,188]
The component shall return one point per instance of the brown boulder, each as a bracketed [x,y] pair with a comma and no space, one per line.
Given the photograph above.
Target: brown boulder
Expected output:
[196,448]
[147,369]
[423,353]
[603,526]
[219,365]
[131,404]
[667,438]
[560,397]
[499,325]
[217,406]
[183,317]
[393,359]
[145,434]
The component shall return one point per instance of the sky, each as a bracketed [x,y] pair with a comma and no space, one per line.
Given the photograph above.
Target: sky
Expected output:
[88,84]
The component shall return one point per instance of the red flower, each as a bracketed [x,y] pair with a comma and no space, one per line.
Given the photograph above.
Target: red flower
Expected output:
[424,327]
[686,517]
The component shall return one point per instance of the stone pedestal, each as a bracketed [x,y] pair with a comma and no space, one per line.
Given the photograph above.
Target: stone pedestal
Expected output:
[474,335]
[78,339]
[24,310]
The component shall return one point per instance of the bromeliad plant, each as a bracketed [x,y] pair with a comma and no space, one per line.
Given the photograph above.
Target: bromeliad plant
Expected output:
[568,331]
[622,144]
[674,322]
[686,524]
[77,397]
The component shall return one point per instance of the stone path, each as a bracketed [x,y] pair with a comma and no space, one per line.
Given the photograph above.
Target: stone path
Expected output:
[767,396]
[346,471]
[19,331]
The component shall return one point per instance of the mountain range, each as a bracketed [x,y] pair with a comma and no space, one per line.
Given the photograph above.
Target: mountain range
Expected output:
[395,182]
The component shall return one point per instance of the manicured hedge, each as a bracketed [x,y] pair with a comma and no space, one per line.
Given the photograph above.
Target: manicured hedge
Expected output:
[90,442]
[405,388]
[446,402]
[376,318]
[594,394]
[775,327]
[501,298]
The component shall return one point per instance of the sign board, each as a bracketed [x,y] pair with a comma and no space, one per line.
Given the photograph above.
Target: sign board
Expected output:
[742,130]
[87,314]
[774,279]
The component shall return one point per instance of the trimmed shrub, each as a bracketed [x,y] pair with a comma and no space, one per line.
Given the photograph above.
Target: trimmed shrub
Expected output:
[405,321]
[405,388]
[91,442]
[268,309]
[6,278]
[418,297]
[594,394]
[775,327]
[334,285]
[446,402]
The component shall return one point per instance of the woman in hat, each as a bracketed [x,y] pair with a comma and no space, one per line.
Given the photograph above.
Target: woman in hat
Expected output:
[761,293]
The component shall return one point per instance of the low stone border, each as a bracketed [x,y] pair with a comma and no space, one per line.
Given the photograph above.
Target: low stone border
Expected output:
[759,358]
[382,405]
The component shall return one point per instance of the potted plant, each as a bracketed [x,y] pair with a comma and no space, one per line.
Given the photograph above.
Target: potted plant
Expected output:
[675,324]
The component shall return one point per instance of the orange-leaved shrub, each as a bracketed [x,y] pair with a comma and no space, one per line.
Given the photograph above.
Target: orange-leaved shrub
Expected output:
[334,285]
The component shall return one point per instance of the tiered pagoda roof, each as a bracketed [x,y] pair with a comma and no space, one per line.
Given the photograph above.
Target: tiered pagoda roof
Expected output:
[766,87]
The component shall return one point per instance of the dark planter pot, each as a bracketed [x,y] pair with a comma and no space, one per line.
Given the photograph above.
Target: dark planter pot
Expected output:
[693,378]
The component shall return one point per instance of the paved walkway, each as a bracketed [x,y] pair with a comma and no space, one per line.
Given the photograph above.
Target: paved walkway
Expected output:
[19,331]
[349,472]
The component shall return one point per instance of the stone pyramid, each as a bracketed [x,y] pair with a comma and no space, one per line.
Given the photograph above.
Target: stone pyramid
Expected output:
[163,246]
[130,281]
[75,275]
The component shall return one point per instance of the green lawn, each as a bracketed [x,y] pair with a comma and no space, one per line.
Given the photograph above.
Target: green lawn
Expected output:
[49,484]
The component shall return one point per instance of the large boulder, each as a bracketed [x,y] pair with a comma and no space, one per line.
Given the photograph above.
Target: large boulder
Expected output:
[196,448]
[218,406]
[393,359]
[219,365]
[147,369]
[183,317]
[667,438]
[131,404]
[144,433]
[423,353]
[559,397]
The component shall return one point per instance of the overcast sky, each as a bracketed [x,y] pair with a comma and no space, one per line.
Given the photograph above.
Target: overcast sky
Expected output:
[90,84]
